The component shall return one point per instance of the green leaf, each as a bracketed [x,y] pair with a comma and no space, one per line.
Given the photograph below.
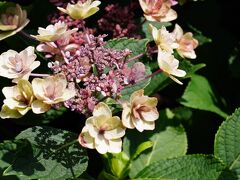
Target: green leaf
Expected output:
[157,83]
[158,25]
[106,176]
[51,154]
[142,147]
[8,150]
[199,95]
[195,167]
[137,46]
[227,142]
[169,140]
[190,68]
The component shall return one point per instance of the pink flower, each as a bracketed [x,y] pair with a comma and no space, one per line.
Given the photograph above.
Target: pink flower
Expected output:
[158,10]
[140,112]
[14,65]
[186,42]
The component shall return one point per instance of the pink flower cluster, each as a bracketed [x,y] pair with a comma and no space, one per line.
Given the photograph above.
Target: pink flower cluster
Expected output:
[96,72]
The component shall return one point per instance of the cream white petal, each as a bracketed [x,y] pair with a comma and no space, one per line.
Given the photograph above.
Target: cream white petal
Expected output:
[94,132]
[175,79]
[138,123]
[177,32]
[102,109]
[13,104]
[101,145]
[39,107]
[170,16]
[23,111]
[178,73]
[115,146]
[38,88]
[6,112]
[189,54]
[85,139]
[8,92]
[150,115]
[115,133]
[126,118]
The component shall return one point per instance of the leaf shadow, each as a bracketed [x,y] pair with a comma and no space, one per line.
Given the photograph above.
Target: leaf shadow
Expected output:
[48,147]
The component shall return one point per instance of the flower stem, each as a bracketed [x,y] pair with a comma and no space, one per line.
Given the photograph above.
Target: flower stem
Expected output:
[135,57]
[151,75]
[86,34]
[39,75]
[23,33]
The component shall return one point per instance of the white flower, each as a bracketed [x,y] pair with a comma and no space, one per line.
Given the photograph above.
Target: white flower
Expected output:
[158,10]
[53,32]
[102,131]
[186,42]
[163,38]
[49,91]
[18,100]
[81,10]
[141,112]
[14,65]
[169,65]
[12,21]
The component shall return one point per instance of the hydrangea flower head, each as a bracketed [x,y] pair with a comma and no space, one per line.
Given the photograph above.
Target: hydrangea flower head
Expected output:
[169,65]
[102,131]
[141,112]
[12,21]
[81,10]
[14,65]
[158,10]
[18,100]
[163,39]
[53,32]
[186,42]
